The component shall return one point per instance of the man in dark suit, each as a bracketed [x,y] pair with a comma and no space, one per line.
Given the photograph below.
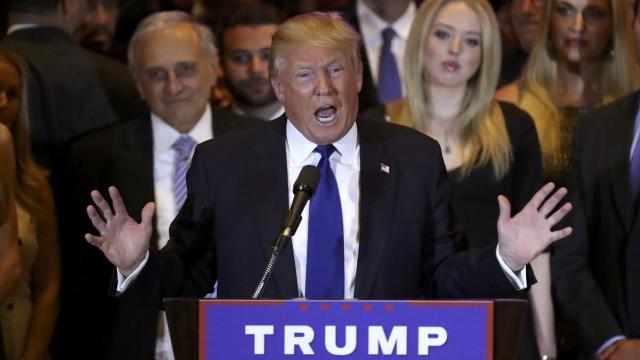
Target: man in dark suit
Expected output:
[388,184]
[174,62]
[70,90]
[596,271]
[371,18]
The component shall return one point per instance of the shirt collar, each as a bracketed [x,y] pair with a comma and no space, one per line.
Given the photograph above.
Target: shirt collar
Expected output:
[164,135]
[371,25]
[17,27]
[300,148]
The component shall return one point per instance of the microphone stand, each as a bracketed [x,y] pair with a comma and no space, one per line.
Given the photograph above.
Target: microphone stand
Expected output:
[303,188]
[279,244]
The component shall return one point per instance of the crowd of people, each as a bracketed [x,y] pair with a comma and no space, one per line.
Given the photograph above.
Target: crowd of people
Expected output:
[148,149]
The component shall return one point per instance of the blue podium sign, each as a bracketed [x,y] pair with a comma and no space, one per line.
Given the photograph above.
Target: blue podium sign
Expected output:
[240,329]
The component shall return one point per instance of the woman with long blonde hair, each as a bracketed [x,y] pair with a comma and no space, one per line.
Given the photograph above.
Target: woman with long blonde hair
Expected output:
[584,58]
[29,311]
[452,63]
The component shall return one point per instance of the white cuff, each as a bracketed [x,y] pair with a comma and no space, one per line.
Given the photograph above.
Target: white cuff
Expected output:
[609,343]
[124,282]
[519,279]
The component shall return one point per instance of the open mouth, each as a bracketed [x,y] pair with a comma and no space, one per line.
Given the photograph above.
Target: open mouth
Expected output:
[325,114]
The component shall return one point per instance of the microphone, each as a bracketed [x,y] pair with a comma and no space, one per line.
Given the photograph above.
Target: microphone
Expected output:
[303,188]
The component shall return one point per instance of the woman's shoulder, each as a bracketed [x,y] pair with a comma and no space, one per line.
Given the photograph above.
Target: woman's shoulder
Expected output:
[509,93]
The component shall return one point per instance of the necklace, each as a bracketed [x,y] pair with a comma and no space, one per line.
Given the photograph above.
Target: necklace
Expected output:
[447,148]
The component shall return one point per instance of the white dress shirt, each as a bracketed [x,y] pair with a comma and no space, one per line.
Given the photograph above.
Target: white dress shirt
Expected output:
[345,163]
[371,27]
[164,163]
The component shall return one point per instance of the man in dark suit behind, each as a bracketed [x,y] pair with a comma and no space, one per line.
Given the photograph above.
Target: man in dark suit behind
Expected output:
[174,62]
[596,271]
[396,239]
[370,18]
[70,90]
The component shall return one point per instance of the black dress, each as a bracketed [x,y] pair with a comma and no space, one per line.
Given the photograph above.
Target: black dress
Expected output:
[474,197]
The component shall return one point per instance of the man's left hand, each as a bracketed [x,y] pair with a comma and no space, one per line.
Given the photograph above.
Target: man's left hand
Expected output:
[522,237]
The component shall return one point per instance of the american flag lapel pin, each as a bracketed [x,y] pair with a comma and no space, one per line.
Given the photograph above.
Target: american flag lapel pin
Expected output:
[385,168]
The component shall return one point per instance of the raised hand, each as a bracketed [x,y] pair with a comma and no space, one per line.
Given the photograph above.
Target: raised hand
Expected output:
[522,237]
[123,241]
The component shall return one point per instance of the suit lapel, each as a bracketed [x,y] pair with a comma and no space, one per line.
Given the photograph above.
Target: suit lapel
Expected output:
[272,183]
[621,130]
[377,201]
[138,165]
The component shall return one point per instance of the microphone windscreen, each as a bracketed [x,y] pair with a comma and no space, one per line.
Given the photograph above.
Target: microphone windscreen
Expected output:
[309,176]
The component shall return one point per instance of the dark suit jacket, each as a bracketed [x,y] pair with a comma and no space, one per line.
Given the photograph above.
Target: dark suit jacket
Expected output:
[121,155]
[70,90]
[368,96]
[597,270]
[238,199]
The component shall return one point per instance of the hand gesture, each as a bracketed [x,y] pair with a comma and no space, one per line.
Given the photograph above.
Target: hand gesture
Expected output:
[522,237]
[122,240]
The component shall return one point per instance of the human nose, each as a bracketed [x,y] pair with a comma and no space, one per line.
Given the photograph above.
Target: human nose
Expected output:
[454,46]
[324,84]
[100,16]
[577,24]
[173,84]
[257,65]
[530,6]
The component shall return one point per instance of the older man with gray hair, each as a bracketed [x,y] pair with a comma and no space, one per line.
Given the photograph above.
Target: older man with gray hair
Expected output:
[174,62]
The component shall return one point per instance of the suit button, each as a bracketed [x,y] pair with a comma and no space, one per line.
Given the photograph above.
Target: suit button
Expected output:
[10,306]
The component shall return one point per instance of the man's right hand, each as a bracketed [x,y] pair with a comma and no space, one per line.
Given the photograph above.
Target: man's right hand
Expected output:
[123,241]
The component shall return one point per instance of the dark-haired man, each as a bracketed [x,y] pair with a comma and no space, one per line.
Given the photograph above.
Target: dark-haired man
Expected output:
[246,45]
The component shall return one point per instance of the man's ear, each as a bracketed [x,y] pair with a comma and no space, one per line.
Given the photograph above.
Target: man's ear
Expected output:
[278,88]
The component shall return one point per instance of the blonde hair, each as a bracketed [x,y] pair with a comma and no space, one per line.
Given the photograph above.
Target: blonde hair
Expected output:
[620,76]
[30,178]
[481,123]
[314,29]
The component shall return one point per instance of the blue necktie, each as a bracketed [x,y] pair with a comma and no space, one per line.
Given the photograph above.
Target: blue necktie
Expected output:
[325,245]
[634,174]
[183,147]
[389,87]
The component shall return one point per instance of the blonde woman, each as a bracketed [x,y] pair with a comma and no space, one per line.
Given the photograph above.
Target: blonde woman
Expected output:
[28,313]
[584,58]
[489,148]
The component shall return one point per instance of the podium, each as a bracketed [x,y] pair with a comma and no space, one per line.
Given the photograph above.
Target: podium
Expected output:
[277,329]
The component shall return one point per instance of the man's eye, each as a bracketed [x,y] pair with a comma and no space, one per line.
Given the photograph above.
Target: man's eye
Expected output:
[336,69]
[241,58]
[305,75]
[264,54]
[185,69]
[157,75]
